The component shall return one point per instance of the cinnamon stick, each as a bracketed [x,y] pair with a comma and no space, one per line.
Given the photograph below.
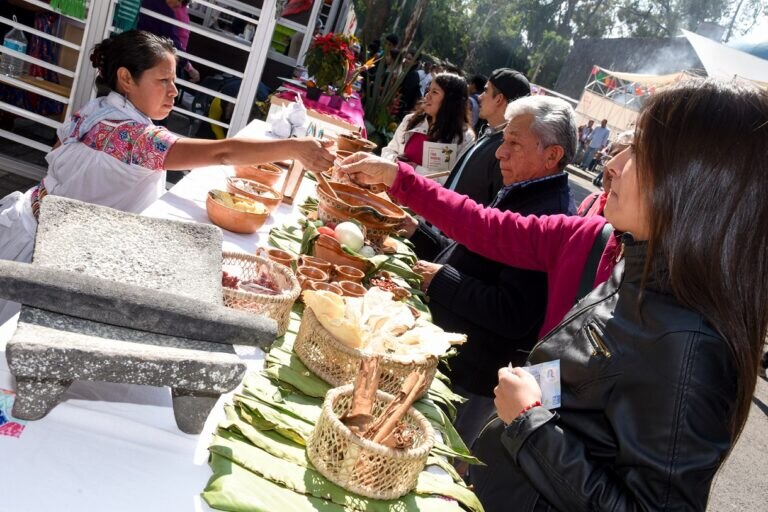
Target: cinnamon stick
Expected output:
[394,413]
[360,415]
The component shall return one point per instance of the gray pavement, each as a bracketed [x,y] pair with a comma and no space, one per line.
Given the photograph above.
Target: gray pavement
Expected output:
[741,482]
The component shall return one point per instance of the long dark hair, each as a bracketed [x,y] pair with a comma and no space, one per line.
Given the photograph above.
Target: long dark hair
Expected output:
[135,50]
[451,120]
[702,149]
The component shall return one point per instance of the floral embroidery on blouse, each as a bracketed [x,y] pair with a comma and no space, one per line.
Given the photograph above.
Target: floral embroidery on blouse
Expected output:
[132,143]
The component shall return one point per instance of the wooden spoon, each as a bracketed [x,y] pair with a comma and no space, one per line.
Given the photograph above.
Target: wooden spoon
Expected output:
[325,185]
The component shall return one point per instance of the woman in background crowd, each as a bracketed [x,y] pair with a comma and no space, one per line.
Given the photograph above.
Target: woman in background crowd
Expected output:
[443,118]
[594,204]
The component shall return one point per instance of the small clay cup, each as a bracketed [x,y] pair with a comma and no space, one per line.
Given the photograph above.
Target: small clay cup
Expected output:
[312,261]
[351,289]
[308,275]
[328,287]
[347,273]
[278,256]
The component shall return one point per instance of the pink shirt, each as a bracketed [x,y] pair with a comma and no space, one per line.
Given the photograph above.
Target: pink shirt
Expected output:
[414,148]
[556,244]
[181,13]
[595,202]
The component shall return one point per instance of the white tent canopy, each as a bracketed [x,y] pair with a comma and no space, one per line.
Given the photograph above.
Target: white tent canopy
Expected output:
[723,62]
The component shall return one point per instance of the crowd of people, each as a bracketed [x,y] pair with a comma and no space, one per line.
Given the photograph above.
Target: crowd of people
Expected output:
[644,298]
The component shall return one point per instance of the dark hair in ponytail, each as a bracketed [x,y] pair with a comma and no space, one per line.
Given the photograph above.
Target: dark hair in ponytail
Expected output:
[692,141]
[134,50]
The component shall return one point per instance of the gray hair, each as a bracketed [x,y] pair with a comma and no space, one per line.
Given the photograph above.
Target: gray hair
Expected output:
[553,122]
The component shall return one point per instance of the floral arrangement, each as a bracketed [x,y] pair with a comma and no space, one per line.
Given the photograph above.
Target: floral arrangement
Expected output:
[331,60]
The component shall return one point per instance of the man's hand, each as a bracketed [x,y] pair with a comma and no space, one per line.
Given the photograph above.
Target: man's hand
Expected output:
[408,227]
[367,169]
[427,271]
[314,153]
[517,390]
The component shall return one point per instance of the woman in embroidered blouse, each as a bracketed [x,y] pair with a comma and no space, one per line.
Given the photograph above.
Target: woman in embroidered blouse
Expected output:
[110,153]
[443,118]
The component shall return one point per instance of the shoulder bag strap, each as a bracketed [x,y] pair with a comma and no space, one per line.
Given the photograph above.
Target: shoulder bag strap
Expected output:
[590,268]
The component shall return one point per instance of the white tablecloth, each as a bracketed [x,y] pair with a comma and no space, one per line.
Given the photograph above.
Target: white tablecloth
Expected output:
[116,447]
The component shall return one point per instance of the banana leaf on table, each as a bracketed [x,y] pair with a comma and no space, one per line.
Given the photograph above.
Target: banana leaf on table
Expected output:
[258,455]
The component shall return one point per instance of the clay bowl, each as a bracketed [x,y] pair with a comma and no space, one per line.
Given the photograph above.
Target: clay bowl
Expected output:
[309,275]
[327,287]
[312,261]
[379,216]
[267,174]
[329,249]
[347,273]
[278,256]
[353,143]
[234,220]
[350,289]
[264,194]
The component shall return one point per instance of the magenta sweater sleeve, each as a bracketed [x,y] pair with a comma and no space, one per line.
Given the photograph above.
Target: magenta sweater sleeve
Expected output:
[528,242]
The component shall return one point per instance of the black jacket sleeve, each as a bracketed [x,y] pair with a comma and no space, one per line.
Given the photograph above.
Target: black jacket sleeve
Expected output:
[428,242]
[504,307]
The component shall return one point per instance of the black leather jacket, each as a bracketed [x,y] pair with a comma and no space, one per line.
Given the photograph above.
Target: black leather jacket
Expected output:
[648,388]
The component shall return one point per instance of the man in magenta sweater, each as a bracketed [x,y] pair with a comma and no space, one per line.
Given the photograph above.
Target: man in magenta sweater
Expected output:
[539,243]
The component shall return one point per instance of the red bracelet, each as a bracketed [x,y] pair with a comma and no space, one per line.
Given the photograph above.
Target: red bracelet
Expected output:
[528,408]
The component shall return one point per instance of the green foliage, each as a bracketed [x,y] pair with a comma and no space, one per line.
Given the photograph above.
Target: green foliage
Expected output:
[534,36]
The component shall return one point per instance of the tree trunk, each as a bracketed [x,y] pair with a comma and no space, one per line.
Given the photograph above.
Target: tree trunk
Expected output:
[400,12]
[469,61]
[376,17]
[564,28]
[413,24]
[733,21]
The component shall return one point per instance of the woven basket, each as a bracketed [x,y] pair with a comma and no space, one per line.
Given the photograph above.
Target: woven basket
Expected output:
[276,307]
[360,465]
[338,364]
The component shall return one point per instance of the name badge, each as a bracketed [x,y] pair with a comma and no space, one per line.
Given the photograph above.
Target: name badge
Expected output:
[548,376]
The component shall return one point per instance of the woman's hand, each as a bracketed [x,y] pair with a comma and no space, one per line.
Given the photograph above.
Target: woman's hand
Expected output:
[517,390]
[313,153]
[367,169]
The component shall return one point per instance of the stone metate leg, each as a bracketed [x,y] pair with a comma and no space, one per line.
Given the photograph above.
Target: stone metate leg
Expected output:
[36,397]
[191,409]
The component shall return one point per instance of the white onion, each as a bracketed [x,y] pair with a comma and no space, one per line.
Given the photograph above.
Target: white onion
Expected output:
[367,251]
[350,234]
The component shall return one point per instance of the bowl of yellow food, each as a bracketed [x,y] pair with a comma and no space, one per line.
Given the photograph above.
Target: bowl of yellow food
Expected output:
[264,194]
[234,212]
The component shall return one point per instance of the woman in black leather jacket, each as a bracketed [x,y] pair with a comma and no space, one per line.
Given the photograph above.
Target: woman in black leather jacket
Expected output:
[659,363]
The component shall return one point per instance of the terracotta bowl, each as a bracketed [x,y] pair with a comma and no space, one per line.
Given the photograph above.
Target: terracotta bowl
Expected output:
[234,220]
[309,275]
[379,216]
[267,174]
[329,249]
[351,289]
[353,143]
[264,194]
[277,255]
[328,287]
[313,261]
[348,273]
